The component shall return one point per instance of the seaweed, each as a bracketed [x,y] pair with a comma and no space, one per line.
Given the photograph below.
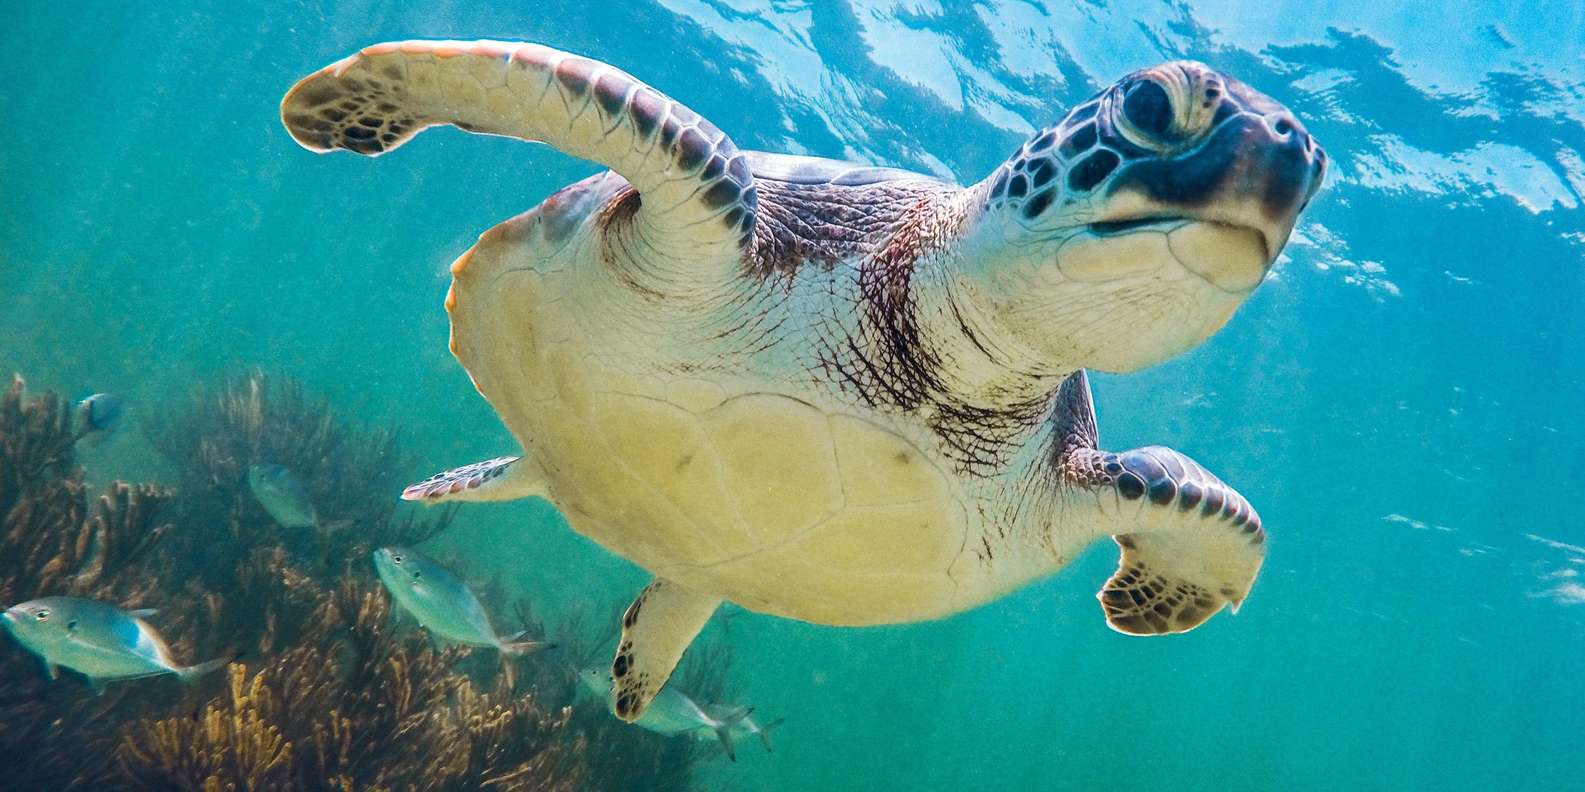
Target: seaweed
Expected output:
[329,693]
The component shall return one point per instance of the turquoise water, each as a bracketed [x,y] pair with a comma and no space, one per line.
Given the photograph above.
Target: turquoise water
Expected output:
[1401,400]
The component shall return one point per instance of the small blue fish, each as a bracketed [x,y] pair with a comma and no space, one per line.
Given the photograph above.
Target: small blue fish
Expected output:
[99,641]
[442,603]
[98,412]
[282,495]
[674,712]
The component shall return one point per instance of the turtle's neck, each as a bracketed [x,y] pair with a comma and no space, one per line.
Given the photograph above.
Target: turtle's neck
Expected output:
[932,343]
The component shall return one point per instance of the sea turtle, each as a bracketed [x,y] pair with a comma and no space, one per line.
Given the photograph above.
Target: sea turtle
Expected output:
[844,394]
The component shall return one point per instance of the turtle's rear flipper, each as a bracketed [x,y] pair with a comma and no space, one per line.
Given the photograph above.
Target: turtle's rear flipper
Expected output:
[1198,546]
[496,479]
[656,630]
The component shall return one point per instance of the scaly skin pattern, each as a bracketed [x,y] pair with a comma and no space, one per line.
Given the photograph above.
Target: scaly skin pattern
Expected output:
[735,444]
[845,395]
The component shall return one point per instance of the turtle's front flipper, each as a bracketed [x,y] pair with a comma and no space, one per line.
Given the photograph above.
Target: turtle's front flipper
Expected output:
[1190,543]
[499,479]
[656,629]
[698,197]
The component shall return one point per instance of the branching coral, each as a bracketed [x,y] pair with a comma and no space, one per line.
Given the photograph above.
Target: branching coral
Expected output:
[351,475]
[357,707]
[55,538]
[227,746]
[331,694]
[268,573]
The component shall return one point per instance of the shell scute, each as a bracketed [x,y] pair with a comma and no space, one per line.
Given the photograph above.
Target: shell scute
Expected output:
[776,457]
[666,448]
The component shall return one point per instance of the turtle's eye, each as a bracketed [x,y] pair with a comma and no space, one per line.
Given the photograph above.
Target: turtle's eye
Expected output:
[1148,107]
[1147,113]
[42,615]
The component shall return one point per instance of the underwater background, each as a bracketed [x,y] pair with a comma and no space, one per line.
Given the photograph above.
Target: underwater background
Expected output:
[1401,400]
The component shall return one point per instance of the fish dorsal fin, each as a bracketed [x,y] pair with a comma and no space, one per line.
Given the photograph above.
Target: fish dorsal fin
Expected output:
[730,717]
[518,645]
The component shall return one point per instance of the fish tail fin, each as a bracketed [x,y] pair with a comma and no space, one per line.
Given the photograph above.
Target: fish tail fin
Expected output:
[193,672]
[764,732]
[723,729]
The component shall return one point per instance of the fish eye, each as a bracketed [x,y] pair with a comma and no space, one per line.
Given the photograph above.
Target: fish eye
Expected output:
[72,625]
[397,558]
[42,615]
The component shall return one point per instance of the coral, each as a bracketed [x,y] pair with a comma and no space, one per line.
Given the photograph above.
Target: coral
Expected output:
[366,709]
[351,475]
[330,693]
[231,746]
[57,538]
[268,572]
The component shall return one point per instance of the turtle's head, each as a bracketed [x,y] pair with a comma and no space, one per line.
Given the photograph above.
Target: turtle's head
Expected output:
[1131,230]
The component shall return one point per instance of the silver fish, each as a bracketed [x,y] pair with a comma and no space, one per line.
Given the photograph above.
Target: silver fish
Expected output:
[282,496]
[674,712]
[99,641]
[442,603]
